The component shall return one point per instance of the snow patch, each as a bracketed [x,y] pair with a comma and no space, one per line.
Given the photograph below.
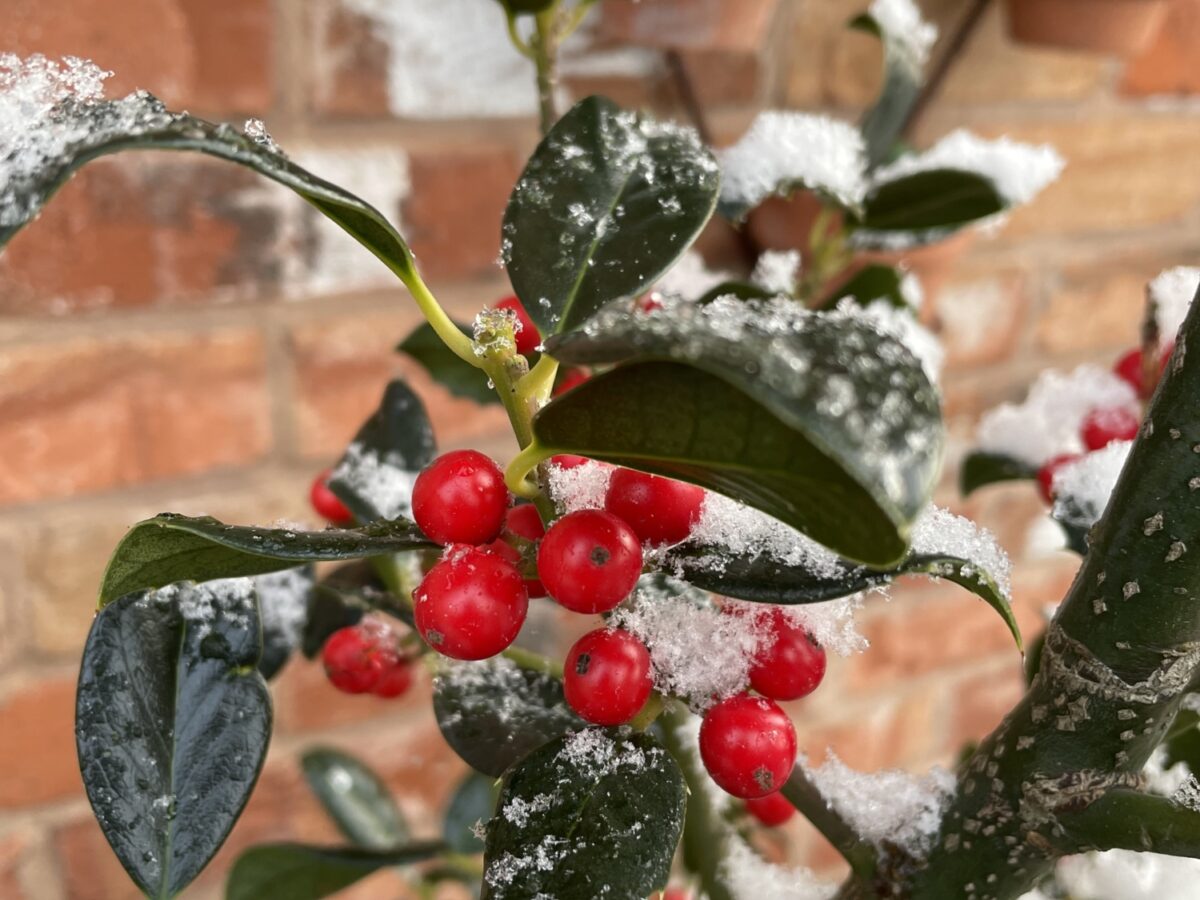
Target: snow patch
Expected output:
[1082,487]
[777,271]
[1172,292]
[901,324]
[906,31]
[750,877]
[940,532]
[690,277]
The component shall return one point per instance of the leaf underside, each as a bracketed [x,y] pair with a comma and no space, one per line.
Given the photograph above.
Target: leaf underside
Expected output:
[305,872]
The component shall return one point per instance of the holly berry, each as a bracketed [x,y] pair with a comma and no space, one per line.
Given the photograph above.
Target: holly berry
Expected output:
[326,502]
[649,303]
[788,663]
[606,677]
[589,561]
[569,460]
[1045,475]
[661,511]
[1103,426]
[673,893]
[1132,370]
[460,498]
[772,810]
[748,745]
[357,657]
[569,379]
[524,521]
[395,680]
[471,604]
[525,331]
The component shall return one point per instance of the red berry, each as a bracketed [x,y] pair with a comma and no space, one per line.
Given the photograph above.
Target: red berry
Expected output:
[660,510]
[525,331]
[674,894]
[471,604]
[326,502]
[1103,426]
[788,664]
[589,561]
[649,303]
[460,498]
[1045,475]
[356,657]
[524,521]
[569,460]
[395,680]
[748,745]
[1131,369]
[606,677]
[569,379]
[772,810]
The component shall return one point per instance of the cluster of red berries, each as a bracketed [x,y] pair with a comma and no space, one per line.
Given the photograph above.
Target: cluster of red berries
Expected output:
[366,659]
[1103,426]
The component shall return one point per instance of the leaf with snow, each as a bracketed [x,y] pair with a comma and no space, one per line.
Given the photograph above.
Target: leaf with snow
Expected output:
[472,804]
[821,421]
[595,813]
[283,599]
[54,119]
[172,720]
[493,713]
[375,475]
[170,548]
[785,151]
[907,39]
[981,468]
[608,201]
[923,206]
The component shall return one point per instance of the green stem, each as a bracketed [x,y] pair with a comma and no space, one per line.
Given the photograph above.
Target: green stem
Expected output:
[651,711]
[534,389]
[545,54]
[443,326]
[515,36]
[803,794]
[516,476]
[535,662]
[1131,820]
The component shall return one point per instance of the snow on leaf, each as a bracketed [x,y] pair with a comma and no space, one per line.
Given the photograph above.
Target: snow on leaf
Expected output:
[777,271]
[1082,487]
[902,25]
[901,324]
[1172,292]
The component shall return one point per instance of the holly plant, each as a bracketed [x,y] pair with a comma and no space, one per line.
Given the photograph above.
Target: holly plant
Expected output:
[714,482]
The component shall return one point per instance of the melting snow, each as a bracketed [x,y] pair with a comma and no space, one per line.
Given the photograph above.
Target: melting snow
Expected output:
[1047,422]
[690,278]
[1082,487]
[902,25]
[1173,292]
[777,271]
[901,324]
[782,150]
[1127,875]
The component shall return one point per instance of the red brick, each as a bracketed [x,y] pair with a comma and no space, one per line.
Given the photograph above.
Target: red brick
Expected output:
[981,702]
[90,870]
[1168,65]
[13,847]
[979,319]
[306,701]
[352,65]
[143,230]
[88,415]
[724,77]
[208,54]
[452,217]
[889,732]
[39,728]
[690,24]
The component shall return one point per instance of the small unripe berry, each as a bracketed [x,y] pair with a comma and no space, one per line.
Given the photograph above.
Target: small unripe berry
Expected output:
[525,332]
[1045,475]
[589,561]
[788,664]
[772,810]
[748,745]
[326,503]
[460,498]
[1103,426]
[661,511]
[356,657]
[606,676]
[471,604]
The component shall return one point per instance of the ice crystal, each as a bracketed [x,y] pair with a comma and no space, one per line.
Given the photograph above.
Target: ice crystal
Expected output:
[938,532]
[902,324]
[381,477]
[690,277]
[777,271]
[579,487]
[283,603]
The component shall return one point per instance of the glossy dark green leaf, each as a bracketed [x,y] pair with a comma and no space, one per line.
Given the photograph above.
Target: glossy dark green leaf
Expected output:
[283,601]
[1182,743]
[328,611]
[111,126]
[374,476]
[492,713]
[170,548]
[172,721]
[742,290]
[818,420]
[473,802]
[305,872]
[448,369]
[937,200]
[902,77]
[980,468]
[355,798]
[526,6]
[608,201]
[593,814]
[760,578]
[873,282]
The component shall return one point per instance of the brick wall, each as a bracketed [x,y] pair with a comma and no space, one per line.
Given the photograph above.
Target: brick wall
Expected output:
[175,334]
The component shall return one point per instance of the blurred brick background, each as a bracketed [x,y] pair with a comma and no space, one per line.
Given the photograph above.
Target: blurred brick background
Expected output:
[177,335]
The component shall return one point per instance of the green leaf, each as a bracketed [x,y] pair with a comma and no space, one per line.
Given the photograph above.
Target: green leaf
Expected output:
[758,577]
[283,601]
[873,282]
[742,290]
[598,813]
[171,548]
[111,126]
[1127,819]
[492,713]
[448,369]
[818,420]
[935,201]
[1182,742]
[374,476]
[172,720]
[526,6]
[305,872]
[328,610]
[902,78]
[474,801]
[355,798]
[980,468]
[608,201]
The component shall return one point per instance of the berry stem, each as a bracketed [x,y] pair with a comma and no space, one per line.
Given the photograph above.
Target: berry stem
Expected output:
[535,662]
[441,323]
[534,389]
[654,708]
[516,476]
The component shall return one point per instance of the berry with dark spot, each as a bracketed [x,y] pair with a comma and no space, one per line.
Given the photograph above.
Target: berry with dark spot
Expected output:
[606,676]
[460,498]
[748,745]
[589,561]
[471,604]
